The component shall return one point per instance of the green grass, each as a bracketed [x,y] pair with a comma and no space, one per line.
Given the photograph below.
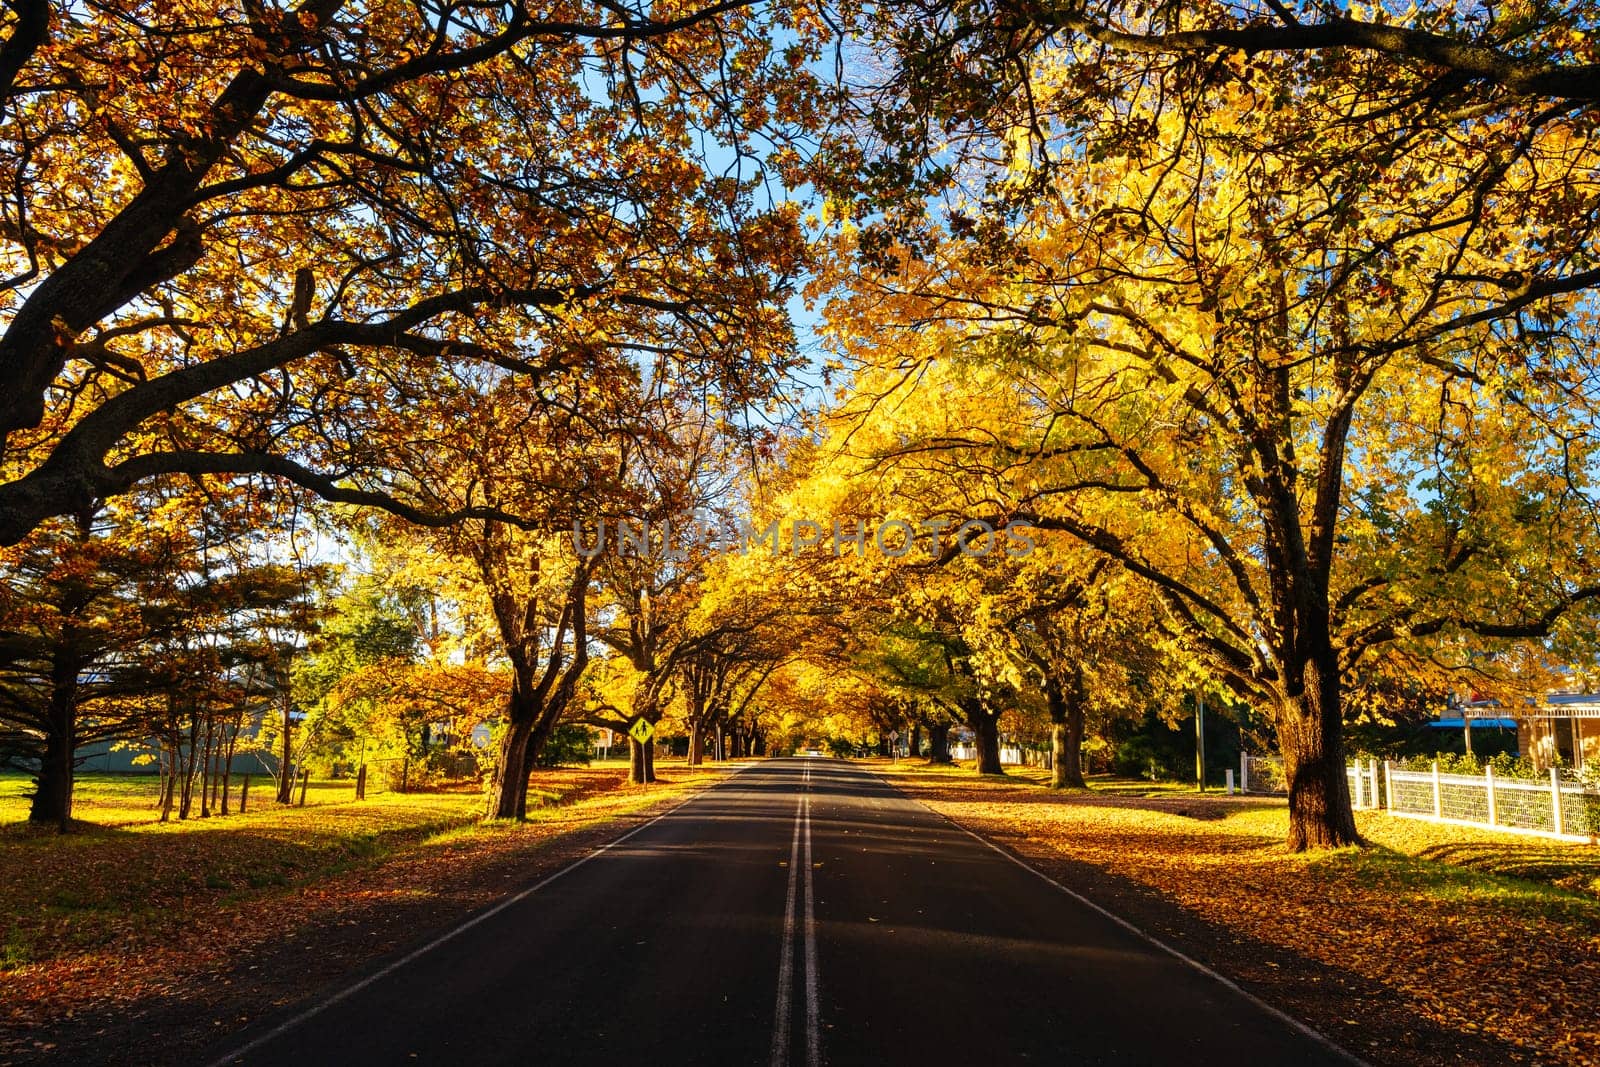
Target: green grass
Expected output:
[131,799]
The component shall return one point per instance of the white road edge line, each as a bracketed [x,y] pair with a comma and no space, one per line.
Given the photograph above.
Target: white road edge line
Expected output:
[813,1027]
[785,1006]
[449,935]
[1282,1016]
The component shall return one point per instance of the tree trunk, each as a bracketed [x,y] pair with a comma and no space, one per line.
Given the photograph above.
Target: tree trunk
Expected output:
[1309,728]
[538,737]
[697,744]
[191,752]
[285,779]
[1066,738]
[1066,769]
[939,743]
[985,726]
[205,773]
[169,786]
[641,763]
[52,795]
[227,763]
[988,745]
[508,794]
[914,746]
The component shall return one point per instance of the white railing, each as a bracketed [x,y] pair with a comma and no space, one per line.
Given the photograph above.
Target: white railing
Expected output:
[1366,785]
[1010,755]
[1264,774]
[1261,774]
[1551,807]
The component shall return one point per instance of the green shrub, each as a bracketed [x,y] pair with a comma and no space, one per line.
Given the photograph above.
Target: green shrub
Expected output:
[1505,765]
[568,744]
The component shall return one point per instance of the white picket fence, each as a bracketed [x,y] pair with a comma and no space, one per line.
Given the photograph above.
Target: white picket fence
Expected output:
[1261,774]
[1010,755]
[1552,807]
[1548,808]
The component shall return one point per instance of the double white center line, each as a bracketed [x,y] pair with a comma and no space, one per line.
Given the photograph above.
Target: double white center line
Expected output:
[798,925]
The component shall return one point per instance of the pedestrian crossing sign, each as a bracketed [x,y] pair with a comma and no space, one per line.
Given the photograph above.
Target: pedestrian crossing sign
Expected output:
[642,731]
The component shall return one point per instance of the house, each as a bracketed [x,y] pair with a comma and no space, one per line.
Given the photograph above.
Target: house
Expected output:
[1561,728]
[1564,726]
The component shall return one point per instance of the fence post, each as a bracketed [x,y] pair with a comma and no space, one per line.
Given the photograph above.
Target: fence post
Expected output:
[1378,799]
[1228,774]
[361,783]
[1244,772]
[1488,784]
[1388,785]
[1555,798]
[1438,798]
[1355,800]
[244,794]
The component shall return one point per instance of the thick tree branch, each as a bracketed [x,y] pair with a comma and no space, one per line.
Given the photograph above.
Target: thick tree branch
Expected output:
[1465,59]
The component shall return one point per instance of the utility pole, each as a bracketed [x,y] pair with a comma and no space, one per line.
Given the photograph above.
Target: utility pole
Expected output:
[1200,740]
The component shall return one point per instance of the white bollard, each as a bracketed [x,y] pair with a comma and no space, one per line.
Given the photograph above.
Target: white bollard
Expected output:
[1228,774]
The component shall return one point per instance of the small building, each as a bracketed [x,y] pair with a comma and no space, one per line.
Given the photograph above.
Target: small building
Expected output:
[1563,727]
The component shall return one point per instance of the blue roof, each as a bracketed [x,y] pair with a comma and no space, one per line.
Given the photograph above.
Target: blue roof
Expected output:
[1458,723]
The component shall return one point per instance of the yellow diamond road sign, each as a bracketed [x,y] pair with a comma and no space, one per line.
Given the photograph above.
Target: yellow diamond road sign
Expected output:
[642,731]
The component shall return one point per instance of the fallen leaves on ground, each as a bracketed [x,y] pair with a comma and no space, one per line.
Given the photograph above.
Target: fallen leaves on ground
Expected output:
[106,919]
[1425,913]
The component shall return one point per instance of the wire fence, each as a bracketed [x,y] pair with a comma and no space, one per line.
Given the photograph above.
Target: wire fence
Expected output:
[1552,806]
[1546,806]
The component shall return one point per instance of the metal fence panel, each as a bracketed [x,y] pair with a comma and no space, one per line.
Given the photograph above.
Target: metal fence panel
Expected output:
[1518,803]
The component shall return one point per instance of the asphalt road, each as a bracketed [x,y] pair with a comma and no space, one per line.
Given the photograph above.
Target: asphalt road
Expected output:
[802,912]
